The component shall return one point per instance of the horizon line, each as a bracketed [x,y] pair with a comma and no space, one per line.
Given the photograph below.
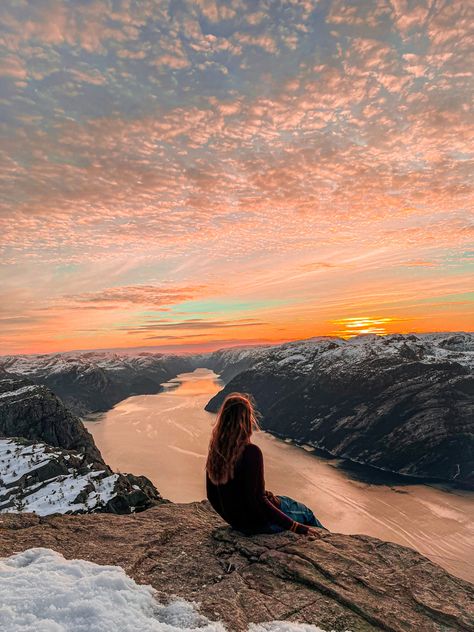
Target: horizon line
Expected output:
[150,348]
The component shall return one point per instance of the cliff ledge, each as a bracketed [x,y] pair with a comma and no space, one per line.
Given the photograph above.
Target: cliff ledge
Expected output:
[336,581]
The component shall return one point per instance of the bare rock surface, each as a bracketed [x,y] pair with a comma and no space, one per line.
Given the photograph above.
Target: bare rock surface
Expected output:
[336,581]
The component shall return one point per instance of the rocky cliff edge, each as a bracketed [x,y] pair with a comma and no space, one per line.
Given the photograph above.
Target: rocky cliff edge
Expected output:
[336,581]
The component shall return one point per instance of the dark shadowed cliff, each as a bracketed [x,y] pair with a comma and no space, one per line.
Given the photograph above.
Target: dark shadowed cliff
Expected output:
[50,463]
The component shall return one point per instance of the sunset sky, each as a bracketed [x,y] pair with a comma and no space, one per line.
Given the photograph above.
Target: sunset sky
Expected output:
[191,175]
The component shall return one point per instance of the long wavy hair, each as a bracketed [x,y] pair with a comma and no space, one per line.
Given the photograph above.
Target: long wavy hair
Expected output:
[236,419]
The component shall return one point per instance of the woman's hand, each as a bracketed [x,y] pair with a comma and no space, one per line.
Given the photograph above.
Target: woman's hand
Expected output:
[272,498]
[315,532]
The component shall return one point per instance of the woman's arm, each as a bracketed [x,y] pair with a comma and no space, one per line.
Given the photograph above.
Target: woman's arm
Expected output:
[255,485]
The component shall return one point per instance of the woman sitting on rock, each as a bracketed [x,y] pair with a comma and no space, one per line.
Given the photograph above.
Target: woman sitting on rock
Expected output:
[235,481]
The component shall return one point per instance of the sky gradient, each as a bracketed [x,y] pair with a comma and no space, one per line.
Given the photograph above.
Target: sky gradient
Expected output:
[191,175]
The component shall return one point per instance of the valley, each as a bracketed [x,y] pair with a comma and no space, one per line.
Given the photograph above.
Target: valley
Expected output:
[165,437]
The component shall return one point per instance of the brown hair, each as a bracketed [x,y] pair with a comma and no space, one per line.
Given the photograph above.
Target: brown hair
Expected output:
[234,424]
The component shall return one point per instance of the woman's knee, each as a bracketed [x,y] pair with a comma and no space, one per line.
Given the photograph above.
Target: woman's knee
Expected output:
[315,522]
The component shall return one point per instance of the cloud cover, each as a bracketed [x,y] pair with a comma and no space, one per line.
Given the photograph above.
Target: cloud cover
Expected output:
[291,162]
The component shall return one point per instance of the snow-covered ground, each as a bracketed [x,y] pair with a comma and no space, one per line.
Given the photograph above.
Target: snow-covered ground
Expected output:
[41,591]
[21,489]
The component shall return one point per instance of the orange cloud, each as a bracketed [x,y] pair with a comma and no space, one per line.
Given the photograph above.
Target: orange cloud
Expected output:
[275,171]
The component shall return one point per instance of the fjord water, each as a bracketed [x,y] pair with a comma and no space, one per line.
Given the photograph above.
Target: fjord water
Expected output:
[165,437]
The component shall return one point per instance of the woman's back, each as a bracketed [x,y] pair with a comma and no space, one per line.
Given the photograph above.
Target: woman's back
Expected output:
[242,501]
[234,472]
[234,500]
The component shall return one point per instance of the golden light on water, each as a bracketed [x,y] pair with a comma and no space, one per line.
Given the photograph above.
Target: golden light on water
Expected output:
[360,325]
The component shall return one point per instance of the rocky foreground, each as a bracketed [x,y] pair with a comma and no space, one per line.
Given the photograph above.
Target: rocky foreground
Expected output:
[338,582]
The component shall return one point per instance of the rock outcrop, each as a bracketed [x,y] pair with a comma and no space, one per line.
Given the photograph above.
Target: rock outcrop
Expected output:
[32,411]
[338,582]
[49,462]
[399,403]
[35,477]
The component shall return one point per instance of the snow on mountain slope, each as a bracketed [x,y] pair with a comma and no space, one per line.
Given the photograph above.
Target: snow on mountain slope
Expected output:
[301,356]
[32,411]
[97,380]
[37,478]
[455,346]
[91,381]
[328,351]
[230,361]
[47,364]
[49,462]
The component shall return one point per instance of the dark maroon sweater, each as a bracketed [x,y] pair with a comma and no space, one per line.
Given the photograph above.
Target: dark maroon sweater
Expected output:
[242,501]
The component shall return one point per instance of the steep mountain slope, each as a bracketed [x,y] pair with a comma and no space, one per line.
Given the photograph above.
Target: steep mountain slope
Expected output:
[228,363]
[50,463]
[401,403]
[32,411]
[335,581]
[93,381]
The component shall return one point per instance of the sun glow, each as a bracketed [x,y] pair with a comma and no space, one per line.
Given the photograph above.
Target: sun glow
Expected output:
[184,193]
[361,325]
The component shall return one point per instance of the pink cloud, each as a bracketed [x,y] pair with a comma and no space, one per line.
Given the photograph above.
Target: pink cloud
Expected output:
[260,164]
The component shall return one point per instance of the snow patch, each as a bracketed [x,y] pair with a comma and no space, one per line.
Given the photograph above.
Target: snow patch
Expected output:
[19,493]
[41,591]
[16,459]
[19,391]
[294,358]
